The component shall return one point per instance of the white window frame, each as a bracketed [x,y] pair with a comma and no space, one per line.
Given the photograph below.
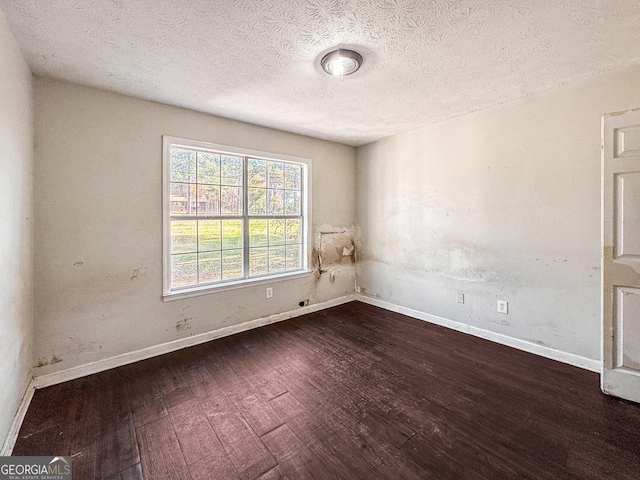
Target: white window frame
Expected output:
[168,293]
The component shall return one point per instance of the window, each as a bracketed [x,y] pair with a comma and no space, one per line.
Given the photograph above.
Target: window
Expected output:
[231,216]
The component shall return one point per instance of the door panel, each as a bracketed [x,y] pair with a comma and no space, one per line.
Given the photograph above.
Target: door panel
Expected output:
[621,254]
[627,209]
[627,326]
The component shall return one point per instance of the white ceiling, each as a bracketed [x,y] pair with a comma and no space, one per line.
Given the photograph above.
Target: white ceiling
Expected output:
[258,60]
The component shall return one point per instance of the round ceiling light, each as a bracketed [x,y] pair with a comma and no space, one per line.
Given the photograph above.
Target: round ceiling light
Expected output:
[341,62]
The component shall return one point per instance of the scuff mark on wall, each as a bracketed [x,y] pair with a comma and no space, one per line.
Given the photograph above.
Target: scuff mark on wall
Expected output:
[139,272]
[73,347]
[184,324]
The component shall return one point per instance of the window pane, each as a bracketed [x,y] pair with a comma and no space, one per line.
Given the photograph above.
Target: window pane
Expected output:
[183,165]
[258,258]
[209,267]
[276,174]
[209,200]
[294,257]
[257,172]
[257,201]
[183,236]
[231,201]
[276,259]
[292,176]
[291,202]
[293,230]
[209,235]
[276,232]
[231,170]
[208,167]
[231,264]
[183,199]
[276,202]
[178,199]
[258,233]
[231,234]
[183,270]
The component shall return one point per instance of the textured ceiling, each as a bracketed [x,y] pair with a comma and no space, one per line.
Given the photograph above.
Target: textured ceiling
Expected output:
[258,60]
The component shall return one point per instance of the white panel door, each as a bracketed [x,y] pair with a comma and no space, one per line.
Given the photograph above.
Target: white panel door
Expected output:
[621,254]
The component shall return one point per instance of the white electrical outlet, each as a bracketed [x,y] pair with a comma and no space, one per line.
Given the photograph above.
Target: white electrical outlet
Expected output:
[460,297]
[269,292]
[503,306]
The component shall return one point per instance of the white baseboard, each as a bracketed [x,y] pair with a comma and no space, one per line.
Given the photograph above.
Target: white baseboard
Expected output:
[41,381]
[12,435]
[547,352]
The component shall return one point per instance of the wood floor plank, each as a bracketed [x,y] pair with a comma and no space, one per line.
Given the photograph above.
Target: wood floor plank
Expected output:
[211,467]
[43,443]
[444,454]
[247,399]
[247,453]
[584,458]
[142,388]
[337,453]
[294,459]
[84,429]
[147,413]
[168,375]
[377,451]
[117,442]
[178,397]
[243,447]
[274,474]
[132,473]
[47,409]
[198,380]
[200,446]
[160,451]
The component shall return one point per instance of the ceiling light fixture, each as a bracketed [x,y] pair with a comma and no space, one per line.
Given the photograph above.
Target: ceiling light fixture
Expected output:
[341,62]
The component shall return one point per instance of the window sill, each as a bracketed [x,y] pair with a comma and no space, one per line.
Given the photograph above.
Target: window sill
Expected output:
[249,282]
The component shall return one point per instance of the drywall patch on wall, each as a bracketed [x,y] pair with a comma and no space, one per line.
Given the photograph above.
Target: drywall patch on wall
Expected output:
[333,246]
[333,258]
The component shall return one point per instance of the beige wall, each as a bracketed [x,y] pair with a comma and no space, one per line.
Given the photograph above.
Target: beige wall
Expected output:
[98,235]
[16,219]
[502,204]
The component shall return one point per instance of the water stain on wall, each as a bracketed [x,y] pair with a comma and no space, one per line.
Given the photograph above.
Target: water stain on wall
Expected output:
[42,361]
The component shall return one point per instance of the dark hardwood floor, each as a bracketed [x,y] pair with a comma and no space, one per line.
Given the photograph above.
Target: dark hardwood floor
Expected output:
[350,392]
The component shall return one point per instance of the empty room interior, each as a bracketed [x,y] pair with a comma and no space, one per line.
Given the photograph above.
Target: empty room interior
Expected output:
[321,239]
